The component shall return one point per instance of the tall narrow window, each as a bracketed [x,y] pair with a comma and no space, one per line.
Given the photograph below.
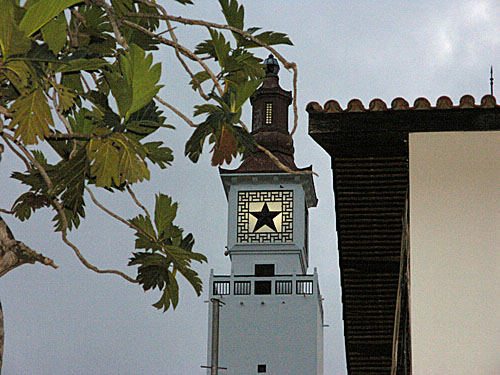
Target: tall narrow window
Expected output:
[269,113]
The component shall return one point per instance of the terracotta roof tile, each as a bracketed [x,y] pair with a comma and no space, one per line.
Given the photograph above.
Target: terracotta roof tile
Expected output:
[400,104]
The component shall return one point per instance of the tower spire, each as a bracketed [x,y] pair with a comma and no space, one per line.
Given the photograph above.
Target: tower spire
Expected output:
[270,124]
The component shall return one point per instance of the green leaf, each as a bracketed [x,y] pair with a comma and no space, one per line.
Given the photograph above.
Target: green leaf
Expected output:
[244,92]
[32,117]
[145,121]
[163,302]
[268,37]
[233,13]
[66,97]
[194,145]
[117,159]
[122,7]
[221,47]
[141,79]
[42,12]
[162,156]
[104,158]
[69,178]
[153,269]
[132,167]
[19,74]
[165,212]
[82,122]
[121,90]
[246,142]
[146,237]
[200,77]
[12,40]
[55,33]
[27,203]
[81,64]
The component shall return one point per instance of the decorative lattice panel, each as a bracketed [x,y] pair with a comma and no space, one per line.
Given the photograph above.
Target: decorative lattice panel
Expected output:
[265,216]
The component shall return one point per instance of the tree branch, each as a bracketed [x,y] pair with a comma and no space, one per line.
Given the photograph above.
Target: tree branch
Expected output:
[280,165]
[177,112]
[186,52]
[18,154]
[136,201]
[15,253]
[287,64]
[5,112]
[170,30]
[58,206]
[112,214]
[114,23]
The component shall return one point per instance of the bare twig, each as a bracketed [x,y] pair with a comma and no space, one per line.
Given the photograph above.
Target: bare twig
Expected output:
[177,112]
[78,136]
[8,212]
[18,154]
[136,201]
[5,112]
[112,214]
[114,22]
[185,51]
[280,165]
[63,119]
[244,126]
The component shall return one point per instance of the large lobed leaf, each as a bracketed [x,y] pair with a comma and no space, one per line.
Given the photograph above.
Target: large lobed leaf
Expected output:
[42,12]
[117,159]
[55,33]
[137,82]
[32,118]
[12,40]
[27,203]
[165,213]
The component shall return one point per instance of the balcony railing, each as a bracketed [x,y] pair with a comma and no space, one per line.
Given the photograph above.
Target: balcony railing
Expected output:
[221,288]
[242,288]
[283,287]
[265,285]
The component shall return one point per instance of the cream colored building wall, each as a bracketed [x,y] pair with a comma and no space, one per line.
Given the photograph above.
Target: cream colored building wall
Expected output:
[455,253]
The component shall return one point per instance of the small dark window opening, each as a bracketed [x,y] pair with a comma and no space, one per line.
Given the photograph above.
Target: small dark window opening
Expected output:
[264,270]
[262,287]
[261,368]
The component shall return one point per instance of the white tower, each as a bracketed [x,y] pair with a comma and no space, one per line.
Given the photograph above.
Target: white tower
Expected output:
[270,315]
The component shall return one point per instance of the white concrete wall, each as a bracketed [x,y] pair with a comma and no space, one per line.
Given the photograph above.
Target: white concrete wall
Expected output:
[455,253]
[284,264]
[282,333]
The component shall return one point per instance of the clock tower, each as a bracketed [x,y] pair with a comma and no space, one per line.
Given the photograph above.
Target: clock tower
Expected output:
[266,316]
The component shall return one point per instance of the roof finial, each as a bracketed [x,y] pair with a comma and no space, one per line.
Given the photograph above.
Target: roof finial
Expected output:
[491,80]
[272,66]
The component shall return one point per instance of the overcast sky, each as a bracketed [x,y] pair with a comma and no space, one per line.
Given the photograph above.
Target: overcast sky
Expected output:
[73,321]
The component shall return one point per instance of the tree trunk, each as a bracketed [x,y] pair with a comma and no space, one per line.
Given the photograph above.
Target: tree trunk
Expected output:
[14,253]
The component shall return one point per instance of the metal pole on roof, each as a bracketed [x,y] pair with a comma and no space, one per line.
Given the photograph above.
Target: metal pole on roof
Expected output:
[491,80]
